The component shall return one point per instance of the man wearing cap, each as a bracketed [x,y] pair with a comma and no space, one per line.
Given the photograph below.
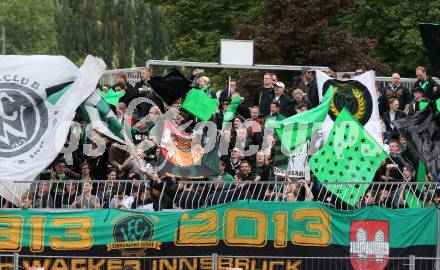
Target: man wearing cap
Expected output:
[395,90]
[414,106]
[282,99]
[307,83]
[429,86]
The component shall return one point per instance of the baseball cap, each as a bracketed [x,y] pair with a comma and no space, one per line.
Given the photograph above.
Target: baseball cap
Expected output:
[280,84]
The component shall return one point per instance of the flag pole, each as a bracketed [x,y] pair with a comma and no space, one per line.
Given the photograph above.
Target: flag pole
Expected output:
[397,166]
[229,87]
[404,178]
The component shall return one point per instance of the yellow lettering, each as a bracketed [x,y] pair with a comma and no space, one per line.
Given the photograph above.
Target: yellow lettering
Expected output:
[11,228]
[186,264]
[281,227]
[78,264]
[6,266]
[261,265]
[200,230]
[205,263]
[165,264]
[272,264]
[96,266]
[77,234]
[37,233]
[293,265]
[233,217]
[317,226]
[36,263]
[135,263]
[242,263]
[224,263]
[59,264]
[114,264]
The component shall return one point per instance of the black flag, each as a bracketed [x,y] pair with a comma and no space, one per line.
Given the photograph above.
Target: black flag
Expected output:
[431,38]
[170,87]
[422,132]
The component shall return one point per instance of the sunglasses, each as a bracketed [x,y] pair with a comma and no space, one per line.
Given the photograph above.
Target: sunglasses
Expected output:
[357,73]
[309,72]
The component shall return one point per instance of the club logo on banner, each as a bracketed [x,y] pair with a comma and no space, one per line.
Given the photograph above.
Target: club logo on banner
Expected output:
[369,244]
[352,95]
[132,235]
[358,95]
[23,119]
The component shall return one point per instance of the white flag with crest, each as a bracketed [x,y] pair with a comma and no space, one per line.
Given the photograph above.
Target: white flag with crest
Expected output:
[358,95]
[38,98]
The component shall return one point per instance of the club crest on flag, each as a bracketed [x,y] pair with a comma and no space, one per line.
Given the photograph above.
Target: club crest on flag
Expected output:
[358,95]
[369,244]
[352,95]
[23,119]
[179,149]
[183,154]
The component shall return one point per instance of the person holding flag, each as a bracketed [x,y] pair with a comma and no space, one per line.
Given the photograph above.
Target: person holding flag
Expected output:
[428,84]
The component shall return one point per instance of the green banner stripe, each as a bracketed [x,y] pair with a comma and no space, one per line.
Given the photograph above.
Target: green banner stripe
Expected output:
[53,98]
[245,222]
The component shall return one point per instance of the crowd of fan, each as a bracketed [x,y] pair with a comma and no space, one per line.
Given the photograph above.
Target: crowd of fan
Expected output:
[148,190]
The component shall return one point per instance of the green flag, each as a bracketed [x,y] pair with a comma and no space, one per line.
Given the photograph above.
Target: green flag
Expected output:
[198,104]
[411,200]
[298,129]
[229,114]
[423,105]
[97,112]
[351,154]
[112,97]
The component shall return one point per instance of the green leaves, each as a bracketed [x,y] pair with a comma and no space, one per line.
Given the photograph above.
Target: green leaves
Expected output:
[394,25]
[30,28]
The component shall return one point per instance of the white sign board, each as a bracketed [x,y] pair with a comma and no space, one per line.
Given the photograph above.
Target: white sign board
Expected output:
[237,52]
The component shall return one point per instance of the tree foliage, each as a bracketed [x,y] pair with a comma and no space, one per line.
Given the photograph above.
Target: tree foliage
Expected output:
[341,34]
[198,26]
[124,33]
[30,27]
[298,32]
[394,25]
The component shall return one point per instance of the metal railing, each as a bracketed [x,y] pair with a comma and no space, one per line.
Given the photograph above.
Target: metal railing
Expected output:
[82,194]
[128,194]
[109,77]
[196,194]
[9,261]
[221,262]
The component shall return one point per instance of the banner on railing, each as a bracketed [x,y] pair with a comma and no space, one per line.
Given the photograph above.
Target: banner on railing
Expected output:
[369,236]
